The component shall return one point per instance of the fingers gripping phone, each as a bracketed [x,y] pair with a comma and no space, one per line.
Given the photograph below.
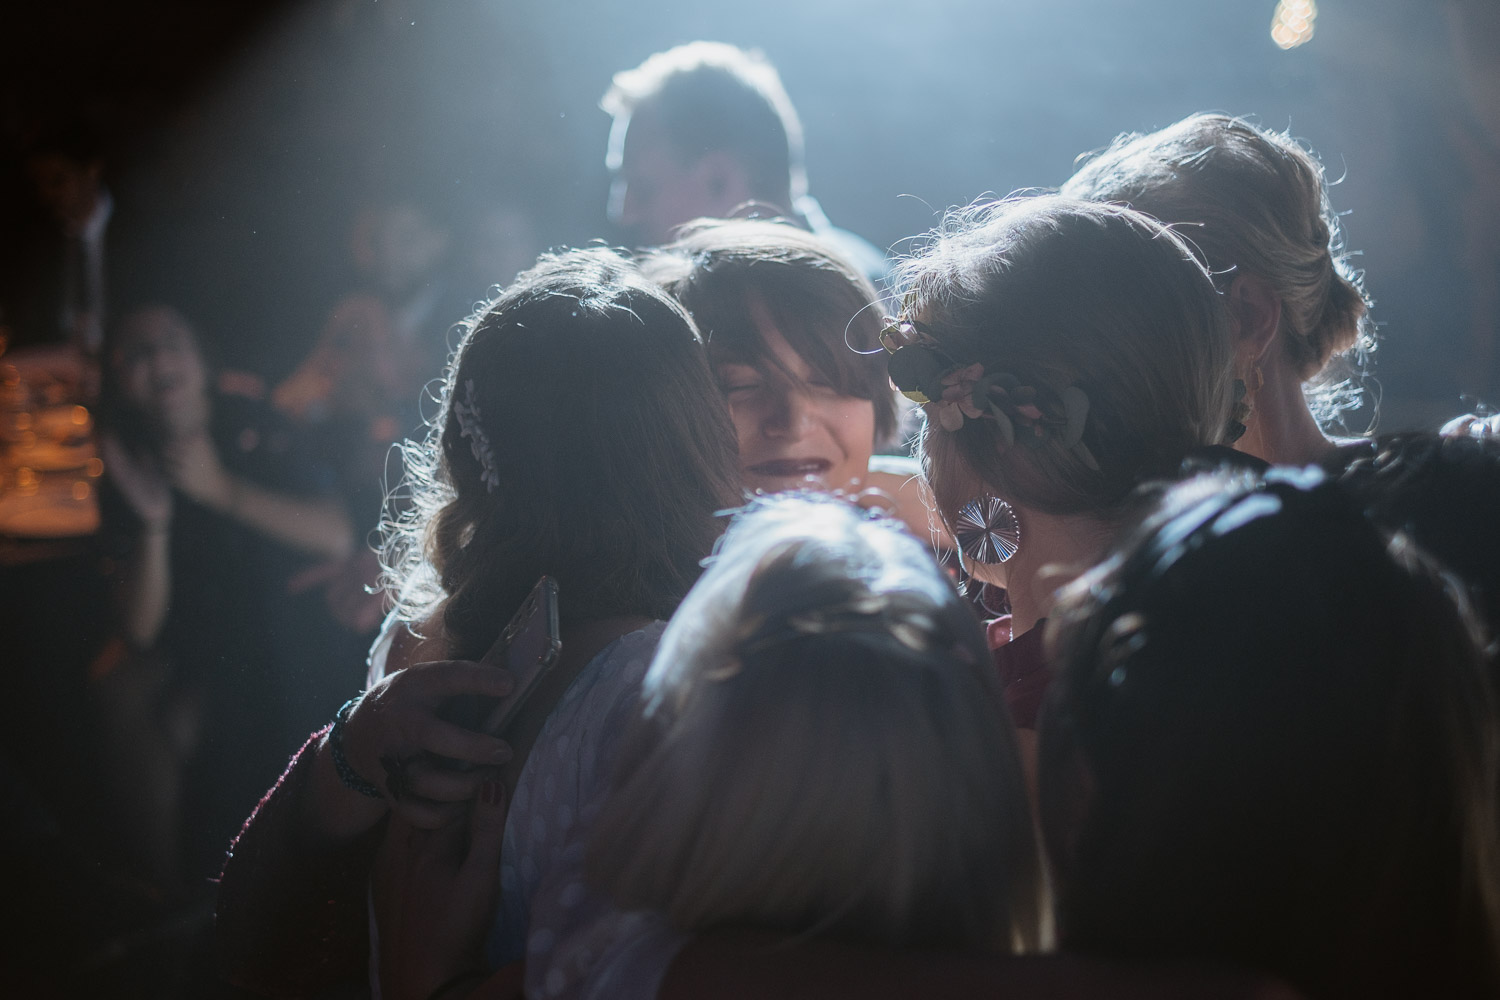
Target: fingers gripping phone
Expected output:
[528,647]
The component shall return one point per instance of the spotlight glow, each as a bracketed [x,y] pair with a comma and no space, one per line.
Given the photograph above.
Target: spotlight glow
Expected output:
[1292,24]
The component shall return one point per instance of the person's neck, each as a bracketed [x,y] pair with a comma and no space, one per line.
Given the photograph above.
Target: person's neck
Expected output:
[1281,428]
[1054,550]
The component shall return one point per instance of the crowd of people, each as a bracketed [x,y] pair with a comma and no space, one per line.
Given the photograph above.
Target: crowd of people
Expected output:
[1002,619]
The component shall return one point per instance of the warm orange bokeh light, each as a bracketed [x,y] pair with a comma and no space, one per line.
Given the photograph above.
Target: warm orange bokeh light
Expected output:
[1292,23]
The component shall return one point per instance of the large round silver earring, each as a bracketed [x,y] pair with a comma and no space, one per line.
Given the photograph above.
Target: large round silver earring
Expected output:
[987,530]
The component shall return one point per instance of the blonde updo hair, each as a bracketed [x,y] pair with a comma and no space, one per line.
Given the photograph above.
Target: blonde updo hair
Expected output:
[824,748]
[581,436]
[1253,201]
[1060,293]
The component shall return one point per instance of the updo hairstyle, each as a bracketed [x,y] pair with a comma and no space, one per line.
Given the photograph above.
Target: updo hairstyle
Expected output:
[1252,201]
[1060,293]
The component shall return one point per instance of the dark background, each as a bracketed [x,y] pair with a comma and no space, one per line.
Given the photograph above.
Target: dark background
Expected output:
[242,136]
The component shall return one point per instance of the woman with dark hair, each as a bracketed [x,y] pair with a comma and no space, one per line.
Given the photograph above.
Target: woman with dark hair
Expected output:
[1309,790]
[1442,491]
[580,437]
[793,336]
[209,505]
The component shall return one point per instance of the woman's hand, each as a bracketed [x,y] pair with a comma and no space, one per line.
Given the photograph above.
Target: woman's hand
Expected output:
[393,734]
[1474,425]
[144,488]
[435,893]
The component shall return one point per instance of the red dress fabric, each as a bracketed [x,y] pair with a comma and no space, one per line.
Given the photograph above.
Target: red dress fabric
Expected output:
[1022,665]
[291,917]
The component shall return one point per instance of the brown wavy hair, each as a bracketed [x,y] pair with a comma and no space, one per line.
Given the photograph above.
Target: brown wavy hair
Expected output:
[587,391]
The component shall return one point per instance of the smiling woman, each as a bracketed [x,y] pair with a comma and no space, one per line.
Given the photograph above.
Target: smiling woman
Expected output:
[796,428]
[791,328]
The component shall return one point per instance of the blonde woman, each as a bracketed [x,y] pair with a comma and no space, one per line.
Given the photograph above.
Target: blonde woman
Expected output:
[823,750]
[1255,204]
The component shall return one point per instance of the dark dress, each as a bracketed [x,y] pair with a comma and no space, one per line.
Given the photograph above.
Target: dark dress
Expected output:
[1023,669]
[263,665]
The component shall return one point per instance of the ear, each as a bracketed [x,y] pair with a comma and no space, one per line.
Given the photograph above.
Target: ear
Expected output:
[1255,310]
[724,179]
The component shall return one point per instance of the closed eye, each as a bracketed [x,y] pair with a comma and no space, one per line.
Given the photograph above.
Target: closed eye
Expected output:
[739,380]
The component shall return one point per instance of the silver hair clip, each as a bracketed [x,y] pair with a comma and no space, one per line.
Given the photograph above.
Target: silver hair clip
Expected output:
[469,427]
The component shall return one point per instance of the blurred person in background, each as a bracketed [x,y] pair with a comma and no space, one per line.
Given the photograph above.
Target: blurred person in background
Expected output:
[702,130]
[384,340]
[209,507]
[53,283]
[363,383]
[1475,31]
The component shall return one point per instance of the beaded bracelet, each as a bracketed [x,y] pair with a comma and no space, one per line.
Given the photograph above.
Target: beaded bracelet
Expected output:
[347,774]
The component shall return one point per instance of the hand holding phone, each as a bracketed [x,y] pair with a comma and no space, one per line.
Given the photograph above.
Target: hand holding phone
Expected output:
[528,647]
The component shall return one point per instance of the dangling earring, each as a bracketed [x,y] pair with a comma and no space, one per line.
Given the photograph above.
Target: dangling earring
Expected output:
[1244,404]
[987,530]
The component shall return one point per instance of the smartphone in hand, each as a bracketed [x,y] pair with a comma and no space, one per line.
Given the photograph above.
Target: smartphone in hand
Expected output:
[528,647]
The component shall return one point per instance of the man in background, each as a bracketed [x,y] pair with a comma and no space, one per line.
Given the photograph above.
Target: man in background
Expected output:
[706,129]
[52,290]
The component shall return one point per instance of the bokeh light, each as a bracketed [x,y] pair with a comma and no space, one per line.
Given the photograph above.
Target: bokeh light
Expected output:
[1292,23]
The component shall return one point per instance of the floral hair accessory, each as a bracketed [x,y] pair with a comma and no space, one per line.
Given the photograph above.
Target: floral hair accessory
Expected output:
[951,393]
[916,365]
[469,427]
